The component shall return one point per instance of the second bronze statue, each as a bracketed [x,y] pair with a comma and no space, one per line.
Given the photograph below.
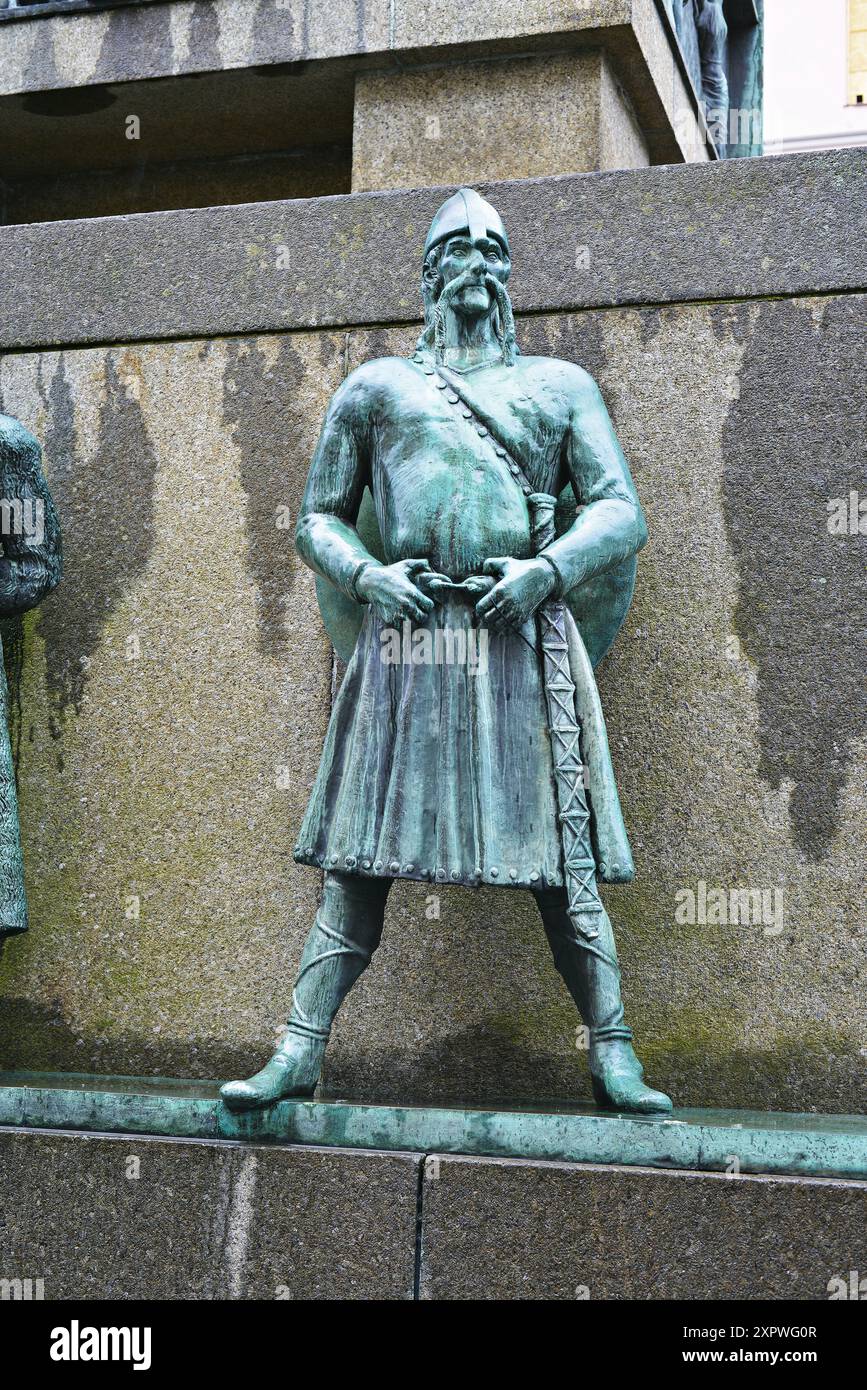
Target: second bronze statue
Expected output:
[478,754]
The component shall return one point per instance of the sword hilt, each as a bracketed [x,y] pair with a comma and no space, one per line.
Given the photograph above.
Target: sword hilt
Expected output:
[541,506]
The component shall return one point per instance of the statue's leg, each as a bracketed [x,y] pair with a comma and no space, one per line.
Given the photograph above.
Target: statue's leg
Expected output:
[592,977]
[341,942]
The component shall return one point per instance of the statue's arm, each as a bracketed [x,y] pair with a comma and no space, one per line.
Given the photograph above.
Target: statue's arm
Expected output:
[326,536]
[31,563]
[611,526]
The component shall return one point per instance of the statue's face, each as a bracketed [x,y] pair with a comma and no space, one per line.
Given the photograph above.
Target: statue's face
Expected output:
[477,258]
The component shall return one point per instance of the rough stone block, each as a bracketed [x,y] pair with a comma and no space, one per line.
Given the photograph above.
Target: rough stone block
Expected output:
[744,228]
[95,1217]
[516,1230]
[153,41]
[519,117]
[193,76]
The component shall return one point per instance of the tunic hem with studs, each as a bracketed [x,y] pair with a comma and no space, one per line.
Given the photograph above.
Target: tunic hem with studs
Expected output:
[365,867]
[441,773]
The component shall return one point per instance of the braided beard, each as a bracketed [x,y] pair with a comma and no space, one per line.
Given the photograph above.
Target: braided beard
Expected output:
[504,322]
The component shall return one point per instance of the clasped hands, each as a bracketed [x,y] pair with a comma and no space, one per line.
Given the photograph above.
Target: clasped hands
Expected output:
[510,591]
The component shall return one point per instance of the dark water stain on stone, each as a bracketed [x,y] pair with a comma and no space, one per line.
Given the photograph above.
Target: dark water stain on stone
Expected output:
[365,345]
[325,349]
[792,442]
[572,337]
[650,323]
[106,511]
[41,68]
[205,35]
[273,33]
[261,403]
[589,346]
[731,321]
[12,638]
[360,40]
[123,37]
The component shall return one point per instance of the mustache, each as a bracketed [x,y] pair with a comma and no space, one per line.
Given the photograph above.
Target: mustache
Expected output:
[468,277]
[505,327]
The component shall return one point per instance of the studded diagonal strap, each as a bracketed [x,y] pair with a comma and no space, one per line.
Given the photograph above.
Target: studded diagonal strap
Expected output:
[579,865]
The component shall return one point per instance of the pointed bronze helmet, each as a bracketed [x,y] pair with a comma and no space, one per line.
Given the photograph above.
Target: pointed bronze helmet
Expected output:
[466,212]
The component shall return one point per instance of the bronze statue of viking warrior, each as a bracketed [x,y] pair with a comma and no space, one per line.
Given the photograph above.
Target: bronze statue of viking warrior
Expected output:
[492,771]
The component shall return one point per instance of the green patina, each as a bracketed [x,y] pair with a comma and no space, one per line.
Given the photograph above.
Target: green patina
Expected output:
[478,498]
[703,1140]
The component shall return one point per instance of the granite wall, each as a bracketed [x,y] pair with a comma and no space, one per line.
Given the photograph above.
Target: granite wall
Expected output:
[521,118]
[179,105]
[133,1217]
[170,700]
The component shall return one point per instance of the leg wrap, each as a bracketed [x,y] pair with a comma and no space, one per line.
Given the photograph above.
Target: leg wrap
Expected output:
[341,942]
[589,968]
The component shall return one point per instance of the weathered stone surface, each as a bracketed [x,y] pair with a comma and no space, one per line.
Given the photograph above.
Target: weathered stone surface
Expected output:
[512,118]
[734,696]
[217,1220]
[742,228]
[622,143]
[136,1218]
[217,80]
[154,40]
[735,701]
[429,23]
[157,40]
[503,1229]
[735,737]
[172,704]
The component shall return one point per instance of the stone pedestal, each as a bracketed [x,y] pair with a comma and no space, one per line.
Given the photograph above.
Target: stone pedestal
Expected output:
[129,1217]
[513,118]
[191,1202]
[514,1230]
